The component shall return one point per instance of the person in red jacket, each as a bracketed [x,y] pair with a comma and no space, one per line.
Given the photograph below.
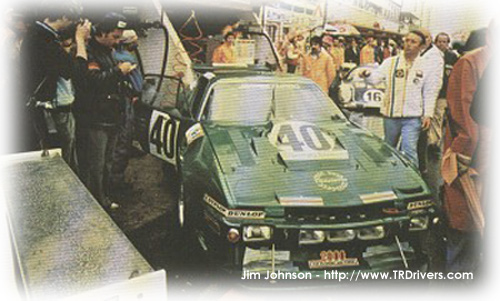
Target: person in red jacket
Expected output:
[461,192]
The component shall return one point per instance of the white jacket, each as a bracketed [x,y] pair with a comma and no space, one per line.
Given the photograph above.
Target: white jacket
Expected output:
[411,91]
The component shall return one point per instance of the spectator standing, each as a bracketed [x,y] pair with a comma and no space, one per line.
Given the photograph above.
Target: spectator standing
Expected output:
[318,65]
[44,61]
[465,220]
[293,55]
[224,53]
[410,96]
[338,53]
[367,55]
[101,105]
[130,89]
[352,52]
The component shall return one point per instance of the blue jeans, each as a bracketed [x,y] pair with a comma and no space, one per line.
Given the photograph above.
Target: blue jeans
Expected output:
[408,129]
[101,143]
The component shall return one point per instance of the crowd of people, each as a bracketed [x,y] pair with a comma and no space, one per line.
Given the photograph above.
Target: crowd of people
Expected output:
[430,88]
[79,79]
[84,77]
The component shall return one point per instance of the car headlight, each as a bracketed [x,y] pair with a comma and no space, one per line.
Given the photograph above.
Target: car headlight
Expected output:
[371,233]
[308,237]
[341,235]
[419,223]
[256,233]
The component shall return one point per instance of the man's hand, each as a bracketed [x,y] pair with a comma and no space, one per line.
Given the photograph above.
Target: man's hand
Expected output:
[426,123]
[126,67]
[83,31]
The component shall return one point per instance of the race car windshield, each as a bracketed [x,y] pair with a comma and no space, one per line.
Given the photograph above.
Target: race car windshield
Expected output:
[258,103]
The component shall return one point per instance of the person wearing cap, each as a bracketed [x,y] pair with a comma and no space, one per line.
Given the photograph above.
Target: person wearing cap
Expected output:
[410,95]
[100,106]
[224,53]
[318,65]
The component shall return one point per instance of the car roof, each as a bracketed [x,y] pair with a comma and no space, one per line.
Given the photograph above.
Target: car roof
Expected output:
[250,76]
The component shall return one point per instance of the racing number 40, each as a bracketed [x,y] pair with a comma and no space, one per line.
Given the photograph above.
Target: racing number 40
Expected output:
[162,136]
[287,136]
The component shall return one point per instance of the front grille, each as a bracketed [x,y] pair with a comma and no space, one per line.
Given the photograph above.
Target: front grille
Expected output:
[323,215]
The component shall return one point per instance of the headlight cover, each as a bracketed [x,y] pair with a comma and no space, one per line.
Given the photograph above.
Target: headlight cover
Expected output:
[340,235]
[257,233]
[419,223]
[371,233]
[309,237]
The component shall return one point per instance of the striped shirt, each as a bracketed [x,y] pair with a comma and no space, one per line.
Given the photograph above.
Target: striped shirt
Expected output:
[411,88]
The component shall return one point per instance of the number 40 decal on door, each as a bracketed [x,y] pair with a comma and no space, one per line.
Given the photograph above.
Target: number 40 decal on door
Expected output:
[163,131]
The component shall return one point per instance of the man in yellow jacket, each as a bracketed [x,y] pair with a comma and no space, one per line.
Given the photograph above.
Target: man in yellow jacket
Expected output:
[367,55]
[224,53]
[318,65]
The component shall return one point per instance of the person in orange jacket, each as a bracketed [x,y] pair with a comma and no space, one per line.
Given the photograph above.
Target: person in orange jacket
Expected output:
[224,53]
[318,65]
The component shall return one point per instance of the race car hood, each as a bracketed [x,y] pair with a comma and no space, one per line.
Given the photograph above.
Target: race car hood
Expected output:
[331,164]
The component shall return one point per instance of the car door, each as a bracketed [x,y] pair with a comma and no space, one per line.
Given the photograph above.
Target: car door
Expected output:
[160,118]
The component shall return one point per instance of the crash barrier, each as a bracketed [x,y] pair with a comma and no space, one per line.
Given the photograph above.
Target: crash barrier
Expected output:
[64,244]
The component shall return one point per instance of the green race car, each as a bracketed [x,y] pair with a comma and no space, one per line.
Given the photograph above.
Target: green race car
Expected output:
[273,177]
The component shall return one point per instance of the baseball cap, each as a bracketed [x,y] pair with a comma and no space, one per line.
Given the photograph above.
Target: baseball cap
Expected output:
[112,21]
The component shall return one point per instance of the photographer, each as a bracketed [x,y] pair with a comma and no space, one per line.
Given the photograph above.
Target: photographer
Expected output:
[44,61]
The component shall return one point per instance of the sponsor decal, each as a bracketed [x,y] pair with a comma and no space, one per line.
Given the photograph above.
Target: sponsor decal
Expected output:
[419,204]
[194,132]
[400,73]
[240,214]
[378,197]
[333,259]
[331,181]
[300,201]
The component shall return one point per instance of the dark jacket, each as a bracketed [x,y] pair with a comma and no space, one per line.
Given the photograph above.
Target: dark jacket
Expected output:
[351,56]
[43,57]
[98,99]
[450,58]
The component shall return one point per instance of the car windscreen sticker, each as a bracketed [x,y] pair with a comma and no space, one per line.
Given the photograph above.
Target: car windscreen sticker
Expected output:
[331,181]
[302,141]
[163,131]
[333,259]
[194,132]
[231,213]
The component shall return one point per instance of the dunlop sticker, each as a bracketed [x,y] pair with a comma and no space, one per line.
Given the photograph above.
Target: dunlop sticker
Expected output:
[240,214]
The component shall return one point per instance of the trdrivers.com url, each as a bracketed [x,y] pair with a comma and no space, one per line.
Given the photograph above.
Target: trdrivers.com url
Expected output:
[395,275]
